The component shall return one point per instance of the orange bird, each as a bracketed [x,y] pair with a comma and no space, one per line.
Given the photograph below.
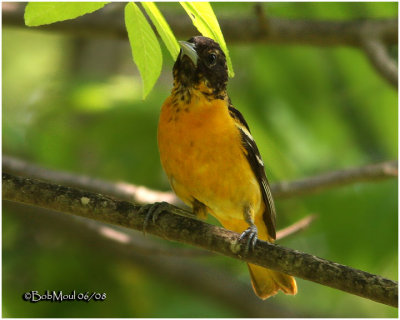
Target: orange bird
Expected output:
[211,159]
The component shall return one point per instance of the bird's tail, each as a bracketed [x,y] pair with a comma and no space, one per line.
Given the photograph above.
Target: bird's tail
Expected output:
[266,282]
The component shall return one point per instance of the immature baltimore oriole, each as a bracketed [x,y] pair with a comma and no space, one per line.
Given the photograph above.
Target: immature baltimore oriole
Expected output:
[211,159]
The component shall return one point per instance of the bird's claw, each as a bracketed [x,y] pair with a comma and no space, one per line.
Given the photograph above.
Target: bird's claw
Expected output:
[251,233]
[152,212]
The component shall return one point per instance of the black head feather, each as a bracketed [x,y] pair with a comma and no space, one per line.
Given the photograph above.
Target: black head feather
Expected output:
[210,69]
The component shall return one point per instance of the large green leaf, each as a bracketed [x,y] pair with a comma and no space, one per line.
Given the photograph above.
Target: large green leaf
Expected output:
[205,21]
[40,13]
[163,28]
[146,50]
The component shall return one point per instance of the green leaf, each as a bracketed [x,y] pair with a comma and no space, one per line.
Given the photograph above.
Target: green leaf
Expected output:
[146,50]
[163,28]
[40,13]
[205,21]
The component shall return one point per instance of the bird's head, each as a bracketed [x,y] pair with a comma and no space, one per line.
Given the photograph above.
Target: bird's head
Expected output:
[201,62]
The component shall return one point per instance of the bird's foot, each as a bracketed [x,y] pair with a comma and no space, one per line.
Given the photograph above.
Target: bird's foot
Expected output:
[152,211]
[251,234]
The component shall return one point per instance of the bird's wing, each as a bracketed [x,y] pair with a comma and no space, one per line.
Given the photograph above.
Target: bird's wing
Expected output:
[257,165]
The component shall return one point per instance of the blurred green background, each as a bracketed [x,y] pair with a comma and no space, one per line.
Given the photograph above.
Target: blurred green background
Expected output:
[74,104]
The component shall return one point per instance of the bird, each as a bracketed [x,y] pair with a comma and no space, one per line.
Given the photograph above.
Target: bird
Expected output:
[211,159]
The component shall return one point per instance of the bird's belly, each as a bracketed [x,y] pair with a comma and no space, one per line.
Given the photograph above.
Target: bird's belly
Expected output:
[206,162]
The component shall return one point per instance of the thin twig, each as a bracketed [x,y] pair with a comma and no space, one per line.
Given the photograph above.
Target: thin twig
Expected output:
[174,226]
[369,173]
[380,59]
[296,227]
[140,194]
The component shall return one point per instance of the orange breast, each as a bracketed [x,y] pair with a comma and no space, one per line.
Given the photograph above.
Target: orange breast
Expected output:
[201,152]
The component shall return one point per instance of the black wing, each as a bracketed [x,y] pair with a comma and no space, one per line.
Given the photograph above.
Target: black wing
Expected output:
[256,163]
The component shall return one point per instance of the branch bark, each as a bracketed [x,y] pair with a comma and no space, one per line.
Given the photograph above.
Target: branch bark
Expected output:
[109,22]
[140,194]
[173,226]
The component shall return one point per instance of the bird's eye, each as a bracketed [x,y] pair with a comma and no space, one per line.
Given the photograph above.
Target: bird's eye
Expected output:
[211,58]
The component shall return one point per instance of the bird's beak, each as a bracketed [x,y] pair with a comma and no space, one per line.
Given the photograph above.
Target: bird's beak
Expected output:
[189,50]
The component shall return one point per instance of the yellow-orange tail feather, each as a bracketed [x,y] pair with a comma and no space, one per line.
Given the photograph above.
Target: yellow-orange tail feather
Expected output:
[266,282]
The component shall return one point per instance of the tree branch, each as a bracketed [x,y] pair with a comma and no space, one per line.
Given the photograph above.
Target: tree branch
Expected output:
[140,194]
[173,226]
[123,191]
[109,22]
[372,35]
[118,190]
[372,172]
[380,59]
[208,281]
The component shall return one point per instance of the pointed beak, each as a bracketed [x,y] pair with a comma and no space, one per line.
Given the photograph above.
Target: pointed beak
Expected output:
[189,50]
